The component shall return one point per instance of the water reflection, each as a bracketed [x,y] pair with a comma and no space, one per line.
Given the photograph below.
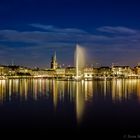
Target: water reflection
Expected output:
[77,93]
[123,90]
[2,91]
[55,92]
[80,103]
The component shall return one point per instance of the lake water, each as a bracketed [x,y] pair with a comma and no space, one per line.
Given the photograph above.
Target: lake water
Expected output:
[103,107]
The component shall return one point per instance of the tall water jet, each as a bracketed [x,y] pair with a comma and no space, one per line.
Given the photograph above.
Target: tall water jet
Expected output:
[79,61]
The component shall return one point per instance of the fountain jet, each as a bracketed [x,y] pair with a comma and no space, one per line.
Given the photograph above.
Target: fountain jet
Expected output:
[79,61]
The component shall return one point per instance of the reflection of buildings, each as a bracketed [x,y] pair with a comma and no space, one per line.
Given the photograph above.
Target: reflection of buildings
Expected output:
[120,90]
[71,91]
[123,90]
[117,90]
[78,95]
[2,91]
[58,92]
[88,89]
[55,93]
[138,89]
[105,88]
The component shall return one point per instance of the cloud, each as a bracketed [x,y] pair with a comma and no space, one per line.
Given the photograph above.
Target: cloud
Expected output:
[52,28]
[45,37]
[38,42]
[51,34]
[118,29]
[44,27]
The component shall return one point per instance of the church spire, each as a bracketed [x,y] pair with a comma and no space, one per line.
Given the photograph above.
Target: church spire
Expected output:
[55,56]
[54,64]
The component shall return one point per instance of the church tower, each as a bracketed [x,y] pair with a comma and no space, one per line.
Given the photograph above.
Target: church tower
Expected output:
[54,64]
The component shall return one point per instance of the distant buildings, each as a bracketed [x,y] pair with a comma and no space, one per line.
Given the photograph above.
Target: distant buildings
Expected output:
[122,71]
[13,71]
[137,70]
[104,71]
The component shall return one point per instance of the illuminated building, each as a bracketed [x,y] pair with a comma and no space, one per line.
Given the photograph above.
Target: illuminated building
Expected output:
[121,71]
[70,72]
[104,71]
[60,72]
[137,70]
[87,73]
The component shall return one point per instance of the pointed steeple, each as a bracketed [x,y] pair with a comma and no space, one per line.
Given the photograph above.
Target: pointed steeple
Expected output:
[12,62]
[54,56]
[54,62]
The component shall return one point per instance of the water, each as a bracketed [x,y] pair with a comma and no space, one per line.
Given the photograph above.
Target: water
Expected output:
[97,106]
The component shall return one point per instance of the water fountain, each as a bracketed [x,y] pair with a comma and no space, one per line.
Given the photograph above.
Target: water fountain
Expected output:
[79,61]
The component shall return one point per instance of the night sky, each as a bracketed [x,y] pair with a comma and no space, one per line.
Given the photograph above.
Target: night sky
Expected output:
[32,30]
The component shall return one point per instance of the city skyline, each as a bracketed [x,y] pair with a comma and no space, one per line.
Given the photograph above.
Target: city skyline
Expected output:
[31,31]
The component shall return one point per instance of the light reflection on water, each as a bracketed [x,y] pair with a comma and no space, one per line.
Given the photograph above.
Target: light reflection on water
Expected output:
[78,93]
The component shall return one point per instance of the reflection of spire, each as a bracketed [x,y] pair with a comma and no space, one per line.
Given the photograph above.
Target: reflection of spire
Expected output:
[12,62]
[55,96]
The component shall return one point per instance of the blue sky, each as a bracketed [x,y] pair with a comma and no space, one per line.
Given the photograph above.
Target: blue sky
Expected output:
[31,30]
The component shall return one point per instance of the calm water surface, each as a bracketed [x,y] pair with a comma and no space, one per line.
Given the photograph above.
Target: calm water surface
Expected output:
[41,104]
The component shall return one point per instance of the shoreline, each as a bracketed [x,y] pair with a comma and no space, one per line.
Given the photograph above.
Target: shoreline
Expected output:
[67,78]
